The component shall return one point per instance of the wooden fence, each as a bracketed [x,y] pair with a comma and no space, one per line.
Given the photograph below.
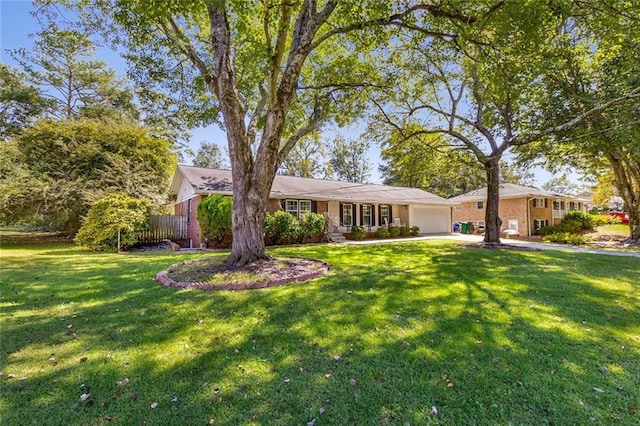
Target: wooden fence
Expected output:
[162,228]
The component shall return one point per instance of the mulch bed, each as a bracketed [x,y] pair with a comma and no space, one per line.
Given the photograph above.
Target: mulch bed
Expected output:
[274,272]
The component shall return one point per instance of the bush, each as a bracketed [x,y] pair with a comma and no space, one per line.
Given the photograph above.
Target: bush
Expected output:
[394,231]
[566,238]
[414,231]
[113,214]
[358,233]
[382,233]
[584,219]
[604,219]
[281,227]
[214,217]
[311,226]
[404,231]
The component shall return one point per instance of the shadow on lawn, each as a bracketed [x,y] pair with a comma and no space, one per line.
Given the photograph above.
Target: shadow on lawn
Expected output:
[484,336]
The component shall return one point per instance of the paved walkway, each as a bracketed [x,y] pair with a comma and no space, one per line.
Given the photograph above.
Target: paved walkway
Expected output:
[519,243]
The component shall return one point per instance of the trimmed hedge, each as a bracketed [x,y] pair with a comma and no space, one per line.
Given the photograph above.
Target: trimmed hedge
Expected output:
[214,216]
[358,233]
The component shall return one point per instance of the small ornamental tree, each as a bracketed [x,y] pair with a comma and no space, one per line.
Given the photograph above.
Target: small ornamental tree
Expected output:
[116,218]
[214,217]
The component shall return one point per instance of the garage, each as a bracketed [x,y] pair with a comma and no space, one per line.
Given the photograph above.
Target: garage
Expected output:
[431,220]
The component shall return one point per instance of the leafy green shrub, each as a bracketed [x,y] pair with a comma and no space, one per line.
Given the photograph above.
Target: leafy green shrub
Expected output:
[214,217]
[414,231]
[584,219]
[113,214]
[394,231]
[404,231]
[311,226]
[358,232]
[281,227]
[566,226]
[566,238]
[382,232]
[604,219]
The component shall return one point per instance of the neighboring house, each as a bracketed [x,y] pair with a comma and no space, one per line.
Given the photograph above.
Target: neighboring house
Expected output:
[523,209]
[344,204]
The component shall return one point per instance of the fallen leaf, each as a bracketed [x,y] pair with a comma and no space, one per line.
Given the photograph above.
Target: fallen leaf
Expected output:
[434,411]
[321,410]
[212,421]
[174,399]
[84,397]
[134,398]
[598,390]
[216,390]
[154,405]
[11,376]
[337,358]
[287,380]
[118,391]
[327,375]
[632,409]
[83,359]
[352,382]
[311,423]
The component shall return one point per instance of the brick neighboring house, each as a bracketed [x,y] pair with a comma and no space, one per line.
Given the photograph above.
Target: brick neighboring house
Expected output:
[523,209]
[343,204]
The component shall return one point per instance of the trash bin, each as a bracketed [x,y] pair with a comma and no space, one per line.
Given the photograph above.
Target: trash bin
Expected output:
[456,227]
[464,227]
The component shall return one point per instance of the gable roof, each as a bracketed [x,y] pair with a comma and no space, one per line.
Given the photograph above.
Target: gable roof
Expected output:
[208,181]
[507,190]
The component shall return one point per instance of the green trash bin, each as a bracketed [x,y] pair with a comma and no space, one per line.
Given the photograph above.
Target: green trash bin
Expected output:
[464,227]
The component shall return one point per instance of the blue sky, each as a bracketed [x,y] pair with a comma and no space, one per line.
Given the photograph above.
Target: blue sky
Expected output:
[16,24]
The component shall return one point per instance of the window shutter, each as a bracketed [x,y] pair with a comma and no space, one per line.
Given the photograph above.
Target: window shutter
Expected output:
[361,215]
[390,218]
[546,203]
[373,216]
[341,215]
[314,206]
[379,215]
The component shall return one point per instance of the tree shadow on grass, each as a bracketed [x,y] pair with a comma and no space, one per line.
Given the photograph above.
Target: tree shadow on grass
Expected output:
[486,337]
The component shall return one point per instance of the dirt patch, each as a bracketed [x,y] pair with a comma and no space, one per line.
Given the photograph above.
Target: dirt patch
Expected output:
[207,275]
[497,247]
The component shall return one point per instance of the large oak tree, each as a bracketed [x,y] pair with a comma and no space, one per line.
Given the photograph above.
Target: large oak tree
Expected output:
[276,69]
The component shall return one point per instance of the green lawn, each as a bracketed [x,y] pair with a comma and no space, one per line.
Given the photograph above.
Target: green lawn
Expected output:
[485,337]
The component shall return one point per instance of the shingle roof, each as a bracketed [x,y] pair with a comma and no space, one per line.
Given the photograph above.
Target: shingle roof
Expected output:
[206,181]
[507,190]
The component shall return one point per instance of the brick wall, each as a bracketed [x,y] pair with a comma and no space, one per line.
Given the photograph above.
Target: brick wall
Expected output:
[189,209]
[510,209]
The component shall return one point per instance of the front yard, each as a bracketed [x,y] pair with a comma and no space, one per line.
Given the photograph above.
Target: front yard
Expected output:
[393,335]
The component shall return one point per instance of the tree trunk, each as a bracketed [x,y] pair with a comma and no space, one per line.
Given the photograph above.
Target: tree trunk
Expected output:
[491,217]
[627,182]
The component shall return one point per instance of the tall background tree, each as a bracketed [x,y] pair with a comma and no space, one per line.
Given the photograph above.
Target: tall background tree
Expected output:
[348,159]
[208,155]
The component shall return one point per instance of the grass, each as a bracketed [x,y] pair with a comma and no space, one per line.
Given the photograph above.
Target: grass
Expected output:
[618,229]
[486,337]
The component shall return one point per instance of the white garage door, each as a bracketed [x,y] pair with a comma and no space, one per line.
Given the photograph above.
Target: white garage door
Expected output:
[431,220]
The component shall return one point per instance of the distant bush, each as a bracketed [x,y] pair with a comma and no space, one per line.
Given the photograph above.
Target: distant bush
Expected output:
[414,231]
[358,233]
[394,231]
[584,219]
[281,227]
[112,215]
[604,219]
[311,226]
[566,238]
[214,217]
[382,232]
[404,231]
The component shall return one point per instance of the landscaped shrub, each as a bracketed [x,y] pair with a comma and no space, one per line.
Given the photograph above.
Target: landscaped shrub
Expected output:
[358,232]
[414,231]
[584,219]
[311,226]
[214,217]
[382,233]
[112,215]
[566,238]
[394,231]
[604,219]
[566,226]
[404,231]
[281,227]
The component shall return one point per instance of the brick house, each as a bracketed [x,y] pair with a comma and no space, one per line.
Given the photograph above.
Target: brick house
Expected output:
[344,204]
[523,209]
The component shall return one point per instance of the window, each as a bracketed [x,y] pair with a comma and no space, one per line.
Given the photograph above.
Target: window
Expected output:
[347,214]
[384,214]
[480,224]
[512,224]
[539,203]
[539,223]
[480,205]
[366,215]
[297,207]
